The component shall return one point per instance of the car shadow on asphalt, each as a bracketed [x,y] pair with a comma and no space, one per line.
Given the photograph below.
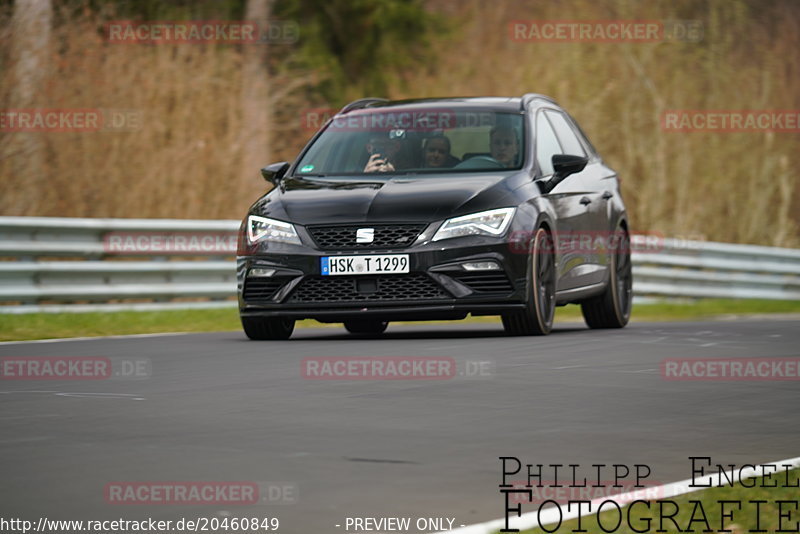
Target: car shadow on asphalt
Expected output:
[409,332]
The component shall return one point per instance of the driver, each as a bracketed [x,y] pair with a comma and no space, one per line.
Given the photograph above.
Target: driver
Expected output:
[504,145]
[437,153]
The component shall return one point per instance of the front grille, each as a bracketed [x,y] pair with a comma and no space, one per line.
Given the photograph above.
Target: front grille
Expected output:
[257,288]
[389,288]
[490,282]
[386,236]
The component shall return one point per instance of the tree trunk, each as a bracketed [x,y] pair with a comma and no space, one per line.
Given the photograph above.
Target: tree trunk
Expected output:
[30,42]
[256,112]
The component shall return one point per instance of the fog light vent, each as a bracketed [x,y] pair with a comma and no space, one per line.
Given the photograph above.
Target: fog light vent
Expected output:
[481,266]
[261,273]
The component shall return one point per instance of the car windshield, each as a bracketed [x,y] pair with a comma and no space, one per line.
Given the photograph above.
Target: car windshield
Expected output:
[416,141]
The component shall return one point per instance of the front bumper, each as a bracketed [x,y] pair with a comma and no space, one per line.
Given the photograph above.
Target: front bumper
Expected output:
[437,286]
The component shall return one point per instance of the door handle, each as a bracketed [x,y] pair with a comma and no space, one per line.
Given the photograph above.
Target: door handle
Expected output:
[586,201]
[607,195]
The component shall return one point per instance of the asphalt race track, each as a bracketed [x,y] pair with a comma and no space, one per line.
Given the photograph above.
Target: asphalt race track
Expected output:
[216,407]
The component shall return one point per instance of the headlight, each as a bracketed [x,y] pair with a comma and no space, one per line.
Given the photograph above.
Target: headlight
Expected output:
[259,228]
[492,223]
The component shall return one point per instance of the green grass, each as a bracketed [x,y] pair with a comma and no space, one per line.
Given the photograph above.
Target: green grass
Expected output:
[744,520]
[58,325]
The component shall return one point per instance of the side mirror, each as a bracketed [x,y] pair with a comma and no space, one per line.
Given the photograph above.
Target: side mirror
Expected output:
[563,166]
[273,173]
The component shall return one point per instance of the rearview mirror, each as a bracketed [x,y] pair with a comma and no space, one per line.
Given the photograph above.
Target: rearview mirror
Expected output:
[563,166]
[273,173]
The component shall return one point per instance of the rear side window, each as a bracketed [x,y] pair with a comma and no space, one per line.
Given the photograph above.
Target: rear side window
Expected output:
[546,145]
[565,134]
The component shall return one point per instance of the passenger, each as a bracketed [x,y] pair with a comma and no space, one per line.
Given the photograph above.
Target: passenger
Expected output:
[383,153]
[437,153]
[504,145]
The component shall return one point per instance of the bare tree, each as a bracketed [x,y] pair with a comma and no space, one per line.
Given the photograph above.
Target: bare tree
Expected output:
[30,42]
[256,112]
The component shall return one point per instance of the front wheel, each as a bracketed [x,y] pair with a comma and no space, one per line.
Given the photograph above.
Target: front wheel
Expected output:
[612,309]
[264,328]
[537,317]
[366,326]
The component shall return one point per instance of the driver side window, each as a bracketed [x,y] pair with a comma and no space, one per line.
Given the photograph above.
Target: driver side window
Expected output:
[546,144]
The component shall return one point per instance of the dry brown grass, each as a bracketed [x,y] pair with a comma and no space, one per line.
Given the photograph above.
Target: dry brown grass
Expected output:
[182,162]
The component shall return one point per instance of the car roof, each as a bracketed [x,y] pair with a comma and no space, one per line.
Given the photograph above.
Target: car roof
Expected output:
[499,103]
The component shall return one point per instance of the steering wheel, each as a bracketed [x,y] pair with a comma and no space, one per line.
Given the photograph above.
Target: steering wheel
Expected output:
[480,162]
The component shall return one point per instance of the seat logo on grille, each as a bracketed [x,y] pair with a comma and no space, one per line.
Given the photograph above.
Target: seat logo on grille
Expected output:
[365,235]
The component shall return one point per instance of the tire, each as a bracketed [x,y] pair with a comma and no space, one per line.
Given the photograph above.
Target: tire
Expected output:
[612,309]
[262,328]
[537,317]
[366,326]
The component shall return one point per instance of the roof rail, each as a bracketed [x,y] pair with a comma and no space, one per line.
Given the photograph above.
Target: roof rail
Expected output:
[528,97]
[360,104]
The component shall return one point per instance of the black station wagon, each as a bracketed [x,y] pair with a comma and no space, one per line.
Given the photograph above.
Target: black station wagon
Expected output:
[436,209]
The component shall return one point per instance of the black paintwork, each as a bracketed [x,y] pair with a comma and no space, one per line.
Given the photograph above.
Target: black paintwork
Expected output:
[388,198]
[587,200]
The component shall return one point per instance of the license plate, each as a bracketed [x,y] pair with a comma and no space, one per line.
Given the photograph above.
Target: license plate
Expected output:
[374,264]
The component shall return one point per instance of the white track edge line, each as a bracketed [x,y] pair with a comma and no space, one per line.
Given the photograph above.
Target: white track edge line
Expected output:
[89,338]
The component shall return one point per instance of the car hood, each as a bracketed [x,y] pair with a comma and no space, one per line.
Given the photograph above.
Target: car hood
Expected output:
[311,200]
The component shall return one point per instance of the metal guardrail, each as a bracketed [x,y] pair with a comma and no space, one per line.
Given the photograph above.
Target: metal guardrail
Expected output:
[702,269]
[35,276]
